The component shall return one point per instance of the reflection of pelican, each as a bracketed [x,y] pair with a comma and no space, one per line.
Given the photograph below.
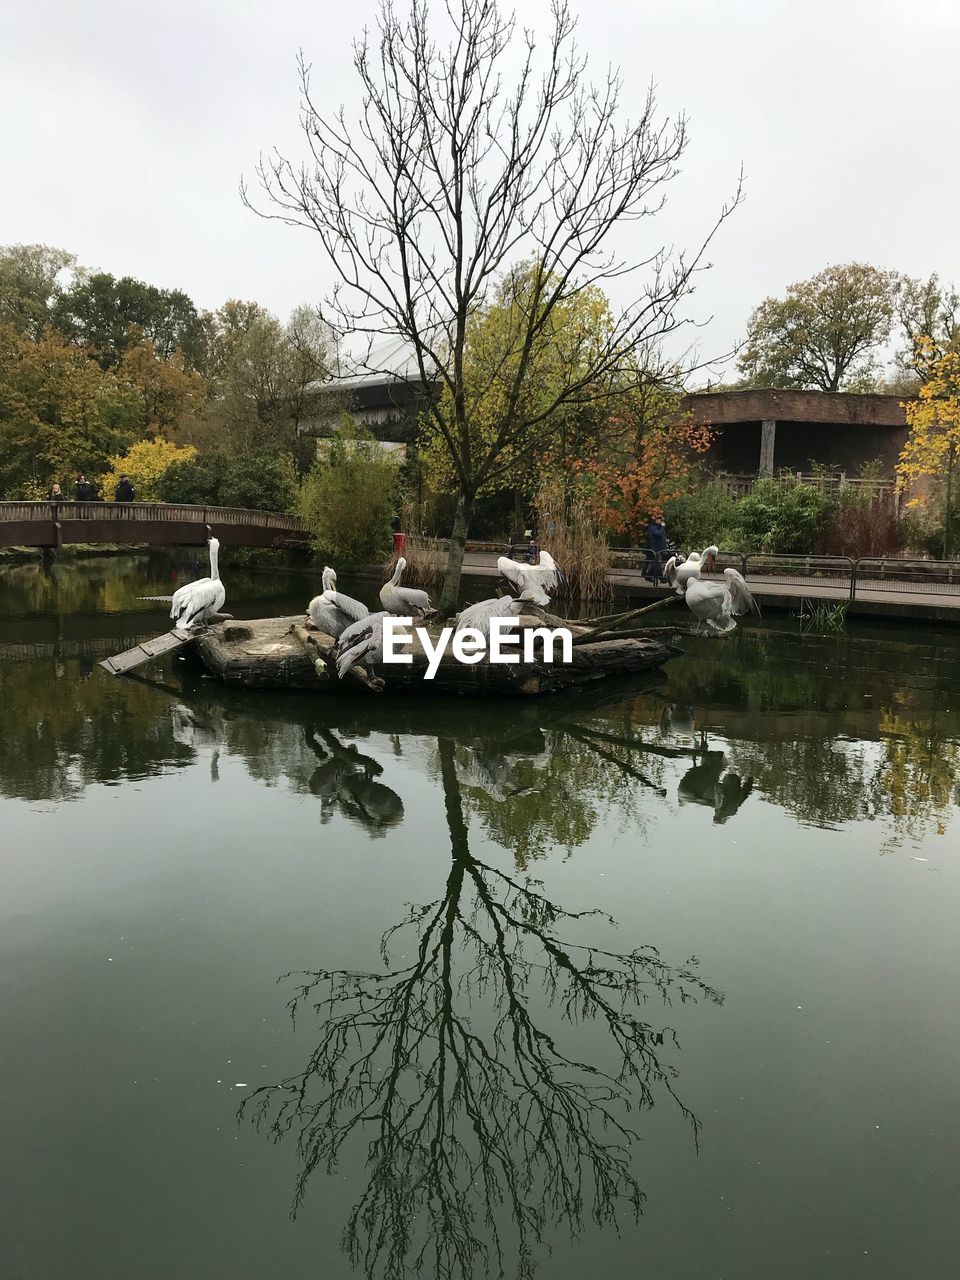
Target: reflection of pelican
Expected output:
[405,602]
[196,602]
[716,604]
[456,1037]
[332,612]
[705,783]
[373,804]
[345,776]
[677,720]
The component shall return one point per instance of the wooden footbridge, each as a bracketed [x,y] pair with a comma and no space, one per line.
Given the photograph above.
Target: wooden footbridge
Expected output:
[56,524]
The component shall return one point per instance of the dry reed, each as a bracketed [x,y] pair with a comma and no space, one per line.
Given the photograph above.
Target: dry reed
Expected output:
[566,530]
[426,561]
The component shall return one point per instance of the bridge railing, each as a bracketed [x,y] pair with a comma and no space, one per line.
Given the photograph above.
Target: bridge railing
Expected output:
[158,512]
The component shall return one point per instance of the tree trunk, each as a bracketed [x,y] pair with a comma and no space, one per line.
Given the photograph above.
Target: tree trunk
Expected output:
[948,511]
[458,546]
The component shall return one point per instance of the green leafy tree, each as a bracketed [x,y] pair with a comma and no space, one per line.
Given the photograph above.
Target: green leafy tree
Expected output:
[29,284]
[348,496]
[266,377]
[112,315]
[824,334]
[263,480]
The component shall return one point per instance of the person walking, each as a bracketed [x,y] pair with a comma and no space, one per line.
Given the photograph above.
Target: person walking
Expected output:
[83,489]
[124,491]
[655,544]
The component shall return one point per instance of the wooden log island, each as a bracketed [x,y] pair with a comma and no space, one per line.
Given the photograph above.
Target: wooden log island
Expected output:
[275,653]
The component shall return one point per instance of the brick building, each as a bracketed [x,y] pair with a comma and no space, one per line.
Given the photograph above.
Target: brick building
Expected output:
[758,432]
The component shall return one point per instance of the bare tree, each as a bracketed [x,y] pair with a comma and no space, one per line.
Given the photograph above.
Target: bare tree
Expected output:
[470,1099]
[928,310]
[456,172]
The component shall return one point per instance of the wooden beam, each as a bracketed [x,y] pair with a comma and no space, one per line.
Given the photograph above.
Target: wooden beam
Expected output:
[123,663]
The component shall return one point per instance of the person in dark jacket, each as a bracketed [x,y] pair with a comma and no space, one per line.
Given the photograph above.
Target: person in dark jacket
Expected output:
[655,544]
[83,489]
[124,491]
[56,494]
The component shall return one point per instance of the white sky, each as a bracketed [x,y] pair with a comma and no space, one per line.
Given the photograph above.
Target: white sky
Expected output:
[126,127]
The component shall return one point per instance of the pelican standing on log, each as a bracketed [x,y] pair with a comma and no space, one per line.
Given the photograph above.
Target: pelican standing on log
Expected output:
[195,603]
[332,612]
[404,602]
[717,604]
[479,616]
[680,572]
[536,580]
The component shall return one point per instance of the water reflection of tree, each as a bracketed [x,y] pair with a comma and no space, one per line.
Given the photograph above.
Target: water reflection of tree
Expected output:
[486,1129]
[60,735]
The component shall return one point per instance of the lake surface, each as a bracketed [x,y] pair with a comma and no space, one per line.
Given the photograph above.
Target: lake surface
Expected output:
[660,980]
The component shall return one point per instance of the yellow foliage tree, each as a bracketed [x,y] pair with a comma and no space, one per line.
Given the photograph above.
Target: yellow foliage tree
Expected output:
[145,463]
[933,444]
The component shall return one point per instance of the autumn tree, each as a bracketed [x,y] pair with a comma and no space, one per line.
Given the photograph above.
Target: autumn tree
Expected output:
[469,154]
[29,284]
[174,396]
[933,445]
[929,313]
[60,413]
[652,454]
[824,334]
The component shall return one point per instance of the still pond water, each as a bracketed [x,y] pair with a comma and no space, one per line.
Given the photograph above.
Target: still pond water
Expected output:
[656,981]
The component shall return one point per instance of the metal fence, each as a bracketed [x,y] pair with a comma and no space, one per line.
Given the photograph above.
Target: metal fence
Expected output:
[846,577]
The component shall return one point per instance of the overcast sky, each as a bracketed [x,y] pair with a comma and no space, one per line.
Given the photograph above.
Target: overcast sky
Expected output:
[126,127]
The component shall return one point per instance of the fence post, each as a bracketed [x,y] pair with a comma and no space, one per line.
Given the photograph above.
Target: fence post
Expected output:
[853,579]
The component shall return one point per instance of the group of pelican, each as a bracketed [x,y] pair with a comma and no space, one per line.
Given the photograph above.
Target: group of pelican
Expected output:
[359,633]
[714,604]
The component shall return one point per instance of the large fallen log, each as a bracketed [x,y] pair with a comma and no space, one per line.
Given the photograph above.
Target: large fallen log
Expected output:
[272,653]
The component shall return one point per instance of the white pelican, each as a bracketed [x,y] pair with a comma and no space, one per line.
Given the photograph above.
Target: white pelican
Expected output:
[196,602]
[361,642]
[479,616]
[716,604]
[679,572]
[537,579]
[332,612]
[405,602]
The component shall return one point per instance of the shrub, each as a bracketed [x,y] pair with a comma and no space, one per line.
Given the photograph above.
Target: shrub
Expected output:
[348,497]
[146,463]
[702,517]
[781,518]
[264,480]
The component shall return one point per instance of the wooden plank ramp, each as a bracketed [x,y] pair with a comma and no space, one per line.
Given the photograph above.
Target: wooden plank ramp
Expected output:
[122,663]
